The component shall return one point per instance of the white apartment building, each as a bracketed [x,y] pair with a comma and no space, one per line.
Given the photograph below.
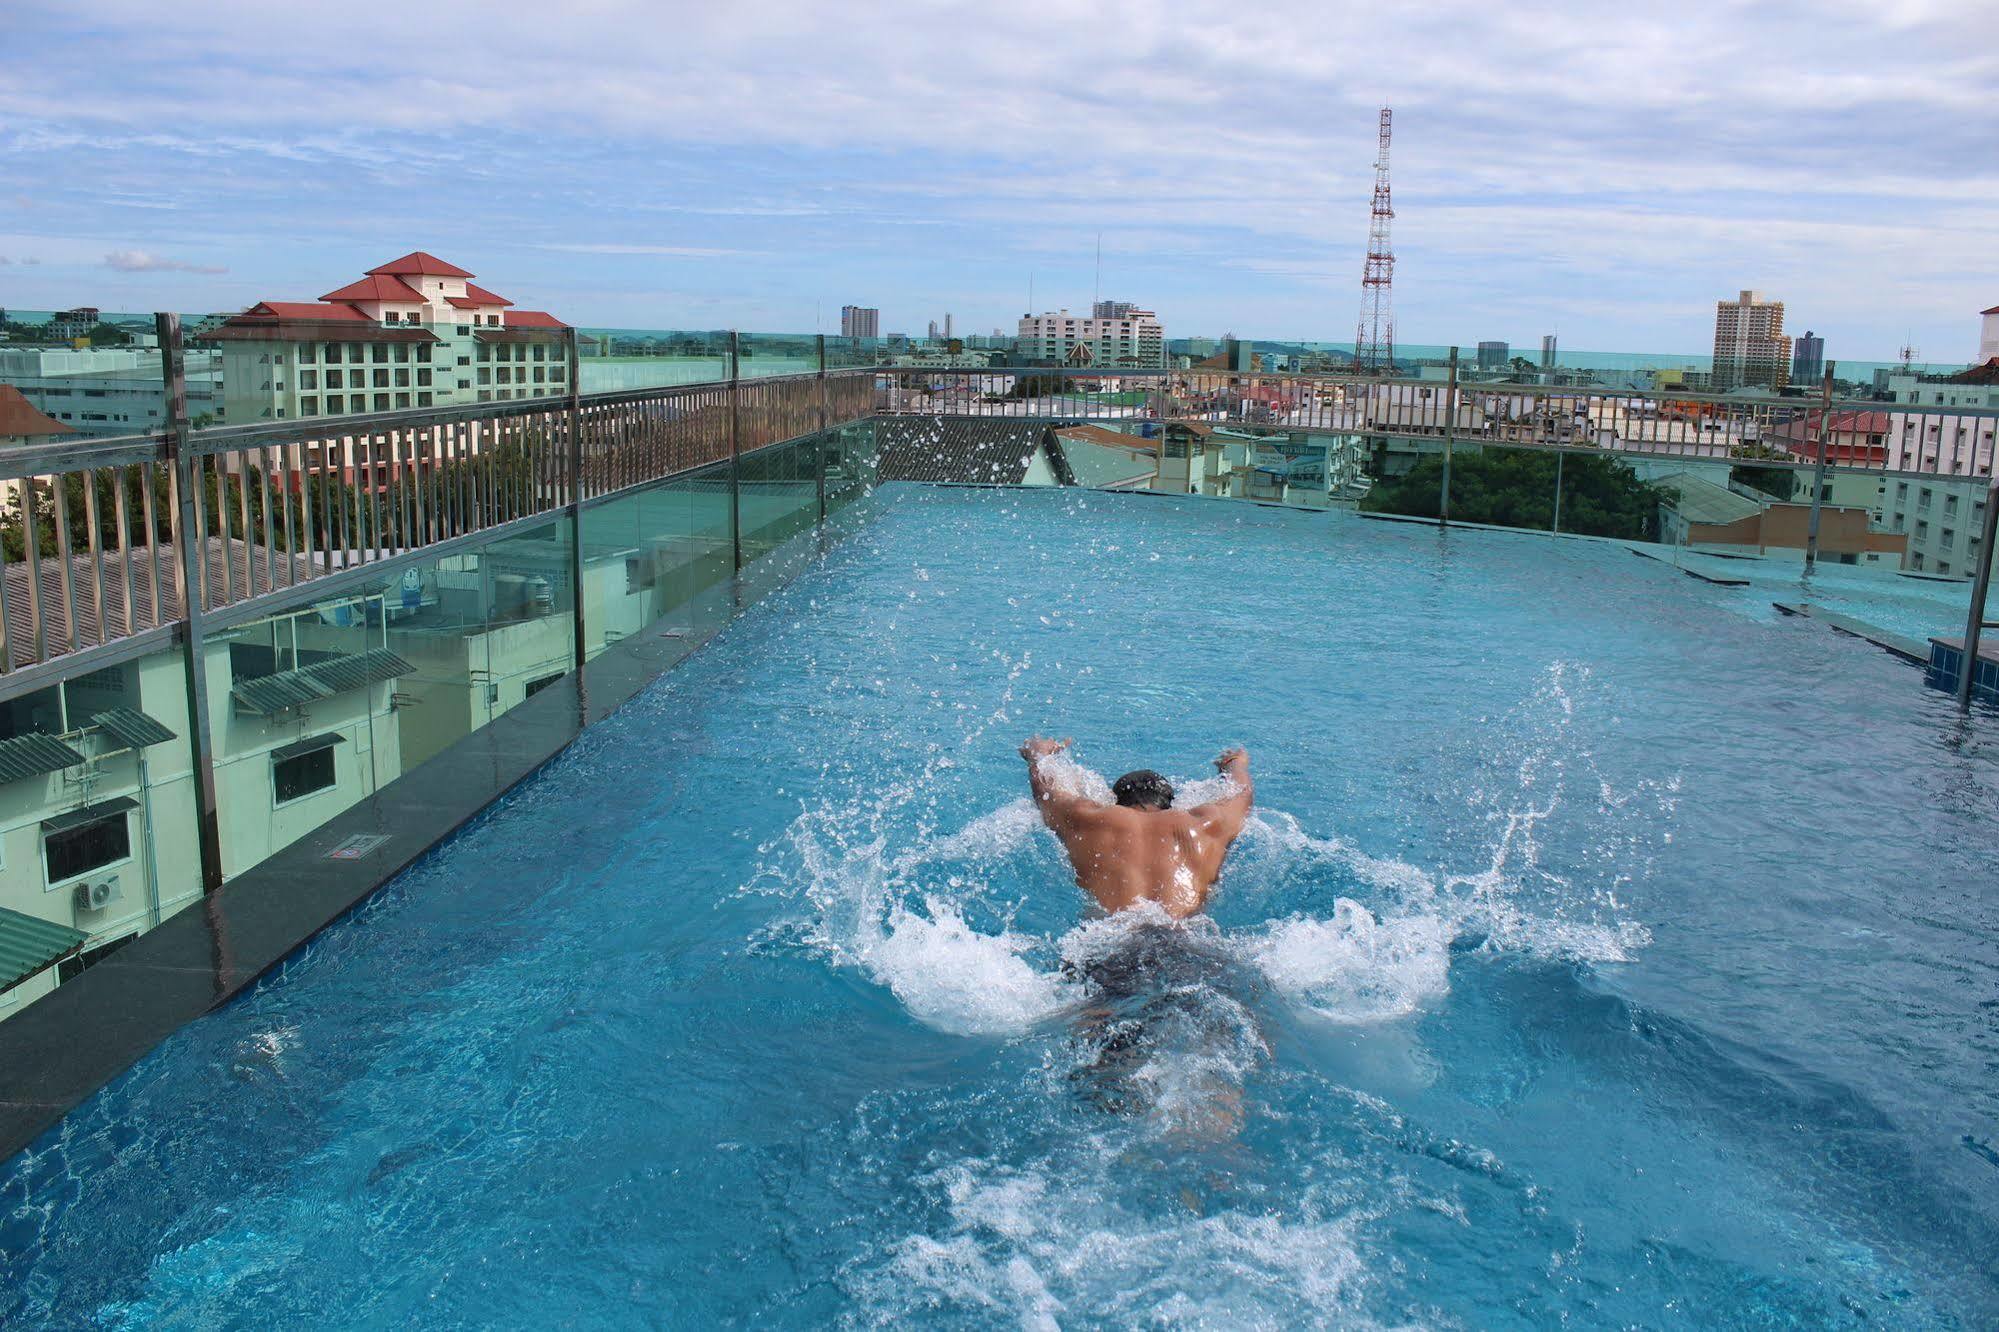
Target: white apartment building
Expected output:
[1750,349]
[860,321]
[100,392]
[414,332]
[1988,335]
[1125,336]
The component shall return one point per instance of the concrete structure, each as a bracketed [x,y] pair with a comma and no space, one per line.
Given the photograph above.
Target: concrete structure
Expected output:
[860,321]
[414,332]
[1944,522]
[106,391]
[1977,386]
[1988,335]
[1703,515]
[1135,339]
[1493,355]
[1750,349]
[1808,359]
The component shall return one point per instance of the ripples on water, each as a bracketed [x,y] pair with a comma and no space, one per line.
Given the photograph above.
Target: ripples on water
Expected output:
[1596,956]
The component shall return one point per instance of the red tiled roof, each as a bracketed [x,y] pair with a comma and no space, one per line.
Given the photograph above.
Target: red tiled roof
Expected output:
[1993,310]
[533,319]
[417,261]
[18,416]
[264,311]
[375,288]
[484,297]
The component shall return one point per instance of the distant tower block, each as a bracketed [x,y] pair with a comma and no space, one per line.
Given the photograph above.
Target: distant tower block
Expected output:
[1374,336]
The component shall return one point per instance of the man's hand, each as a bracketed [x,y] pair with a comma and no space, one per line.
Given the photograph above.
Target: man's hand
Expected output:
[1038,748]
[1231,757]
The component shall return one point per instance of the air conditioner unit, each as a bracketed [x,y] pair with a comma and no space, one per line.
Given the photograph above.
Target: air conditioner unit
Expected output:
[97,894]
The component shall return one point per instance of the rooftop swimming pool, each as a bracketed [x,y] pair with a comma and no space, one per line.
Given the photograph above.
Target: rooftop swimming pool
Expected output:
[1598,954]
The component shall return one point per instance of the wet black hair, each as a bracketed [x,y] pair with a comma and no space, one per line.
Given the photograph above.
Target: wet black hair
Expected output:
[1144,789]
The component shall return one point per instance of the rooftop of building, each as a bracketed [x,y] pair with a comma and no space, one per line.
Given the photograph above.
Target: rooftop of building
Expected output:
[20,418]
[1699,500]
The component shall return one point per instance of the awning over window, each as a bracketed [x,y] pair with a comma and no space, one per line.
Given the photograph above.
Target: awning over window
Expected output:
[131,727]
[323,679]
[76,818]
[311,744]
[34,754]
[28,944]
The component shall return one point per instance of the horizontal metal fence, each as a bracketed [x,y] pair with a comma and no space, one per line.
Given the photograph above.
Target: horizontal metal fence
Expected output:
[90,533]
[1799,431]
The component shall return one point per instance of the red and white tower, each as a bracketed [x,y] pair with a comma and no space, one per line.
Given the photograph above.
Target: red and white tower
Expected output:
[1374,337]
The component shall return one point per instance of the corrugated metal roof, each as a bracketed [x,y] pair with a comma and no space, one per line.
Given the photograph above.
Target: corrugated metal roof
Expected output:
[289,689]
[28,944]
[133,728]
[33,755]
[310,745]
[76,818]
[924,449]
[1700,501]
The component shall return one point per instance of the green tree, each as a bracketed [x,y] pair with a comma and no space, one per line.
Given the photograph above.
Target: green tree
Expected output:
[1516,488]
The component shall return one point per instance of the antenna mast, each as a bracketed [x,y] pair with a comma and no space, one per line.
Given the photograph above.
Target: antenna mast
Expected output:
[1374,336]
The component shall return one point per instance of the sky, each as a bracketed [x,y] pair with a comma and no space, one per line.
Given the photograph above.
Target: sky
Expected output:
[1604,173]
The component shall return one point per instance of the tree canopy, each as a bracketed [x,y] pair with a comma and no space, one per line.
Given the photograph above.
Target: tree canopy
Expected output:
[1516,488]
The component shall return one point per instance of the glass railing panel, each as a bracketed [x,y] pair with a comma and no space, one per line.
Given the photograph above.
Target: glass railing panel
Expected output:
[88,374]
[778,494]
[616,360]
[97,807]
[317,706]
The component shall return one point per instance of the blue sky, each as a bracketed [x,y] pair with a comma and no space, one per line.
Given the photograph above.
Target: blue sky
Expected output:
[1604,173]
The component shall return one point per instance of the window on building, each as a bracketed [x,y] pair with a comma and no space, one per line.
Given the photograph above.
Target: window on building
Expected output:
[306,352]
[403,353]
[333,353]
[1948,538]
[1923,498]
[302,769]
[381,353]
[1943,566]
[464,360]
[423,379]
[423,353]
[1916,561]
[464,383]
[1950,506]
[402,378]
[308,381]
[464,331]
[540,352]
[381,379]
[381,402]
[335,404]
[485,375]
[308,406]
[423,399]
[354,355]
[89,844]
[402,400]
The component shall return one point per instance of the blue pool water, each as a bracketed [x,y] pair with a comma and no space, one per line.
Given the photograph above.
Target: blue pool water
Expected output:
[1599,955]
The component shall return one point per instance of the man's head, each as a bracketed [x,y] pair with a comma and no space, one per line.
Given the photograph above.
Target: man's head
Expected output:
[1144,789]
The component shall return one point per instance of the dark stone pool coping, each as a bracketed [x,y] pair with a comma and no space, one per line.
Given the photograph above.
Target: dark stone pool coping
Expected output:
[65,1046]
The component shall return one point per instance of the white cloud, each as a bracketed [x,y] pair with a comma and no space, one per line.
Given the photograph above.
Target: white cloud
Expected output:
[139,261]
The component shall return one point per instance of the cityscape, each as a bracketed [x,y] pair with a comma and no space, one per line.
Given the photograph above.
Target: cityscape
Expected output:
[565,658]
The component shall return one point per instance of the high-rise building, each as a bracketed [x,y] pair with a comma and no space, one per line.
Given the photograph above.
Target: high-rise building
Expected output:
[414,332]
[933,330]
[1808,359]
[1547,351]
[860,321]
[1113,310]
[947,326]
[1135,339]
[1750,349]
[1492,355]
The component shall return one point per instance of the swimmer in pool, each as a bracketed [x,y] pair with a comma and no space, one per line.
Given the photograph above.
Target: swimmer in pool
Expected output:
[1141,849]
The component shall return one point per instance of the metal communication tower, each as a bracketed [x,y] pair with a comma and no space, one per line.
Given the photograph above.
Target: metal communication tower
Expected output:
[1374,337]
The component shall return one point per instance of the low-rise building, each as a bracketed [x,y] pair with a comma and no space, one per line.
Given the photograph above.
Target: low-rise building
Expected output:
[100,392]
[1131,338]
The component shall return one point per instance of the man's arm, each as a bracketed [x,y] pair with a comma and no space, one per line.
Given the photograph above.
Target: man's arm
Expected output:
[1225,817]
[1060,809]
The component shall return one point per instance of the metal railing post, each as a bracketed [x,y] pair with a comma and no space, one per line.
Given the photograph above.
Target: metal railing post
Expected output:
[194,586]
[1818,472]
[575,415]
[1450,428]
[735,452]
[819,440]
[1974,620]
[1557,528]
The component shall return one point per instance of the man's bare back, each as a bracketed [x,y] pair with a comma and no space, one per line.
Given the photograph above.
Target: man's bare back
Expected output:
[1141,850]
